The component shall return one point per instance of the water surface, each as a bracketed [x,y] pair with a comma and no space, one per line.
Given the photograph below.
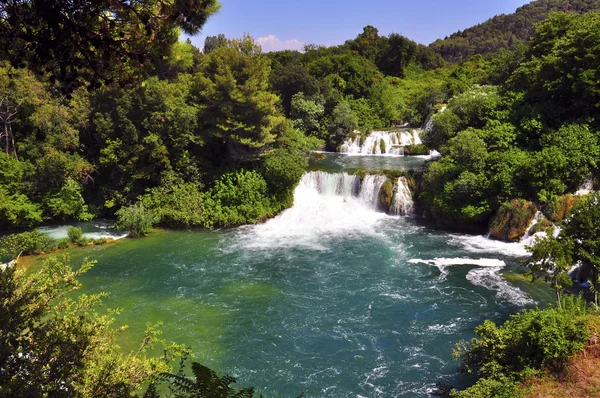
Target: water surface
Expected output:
[331,298]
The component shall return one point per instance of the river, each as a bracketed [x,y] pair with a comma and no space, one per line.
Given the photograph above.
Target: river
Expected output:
[331,298]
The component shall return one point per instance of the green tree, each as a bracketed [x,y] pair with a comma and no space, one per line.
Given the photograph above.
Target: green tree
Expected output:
[307,114]
[213,42]
[343,123]
[582,228]
[551,259]
[95,41]
[55,345]
[237,112]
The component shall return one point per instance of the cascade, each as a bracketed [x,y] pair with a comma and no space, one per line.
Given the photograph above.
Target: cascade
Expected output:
[587,187]
[372,145]
[366,192]
[538,217]
[339,184]
[402,203]
[369,191]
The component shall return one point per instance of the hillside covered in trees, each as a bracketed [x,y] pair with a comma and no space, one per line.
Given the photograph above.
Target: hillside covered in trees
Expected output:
[506,31]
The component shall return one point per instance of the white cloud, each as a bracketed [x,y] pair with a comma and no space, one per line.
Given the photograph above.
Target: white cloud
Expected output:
[272,43]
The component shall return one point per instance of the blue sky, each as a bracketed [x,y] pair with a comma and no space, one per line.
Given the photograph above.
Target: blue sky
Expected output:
[289,24]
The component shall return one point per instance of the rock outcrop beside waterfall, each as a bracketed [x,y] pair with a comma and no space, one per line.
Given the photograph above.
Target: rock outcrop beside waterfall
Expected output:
[512,220]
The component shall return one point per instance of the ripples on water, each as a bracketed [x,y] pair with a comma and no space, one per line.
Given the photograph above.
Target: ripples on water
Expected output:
[324,299]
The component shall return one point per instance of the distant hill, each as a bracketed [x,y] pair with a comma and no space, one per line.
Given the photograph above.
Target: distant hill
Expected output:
[505,31]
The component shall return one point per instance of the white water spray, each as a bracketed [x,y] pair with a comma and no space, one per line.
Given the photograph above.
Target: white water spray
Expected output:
[586,188]
[369,190]
[326,206]
[402,204]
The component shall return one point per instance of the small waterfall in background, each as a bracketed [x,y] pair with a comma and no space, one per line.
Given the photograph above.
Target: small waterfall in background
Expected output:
[382,143]
[402,204]
[587,187]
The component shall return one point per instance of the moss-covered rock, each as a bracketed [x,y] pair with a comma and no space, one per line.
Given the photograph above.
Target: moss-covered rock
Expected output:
[512,220]
[543,225]
[416,150]
[385,196]
[363,138]
[382,146]
[558,210]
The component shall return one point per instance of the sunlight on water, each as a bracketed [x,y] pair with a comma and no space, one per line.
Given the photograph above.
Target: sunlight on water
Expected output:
[330,298]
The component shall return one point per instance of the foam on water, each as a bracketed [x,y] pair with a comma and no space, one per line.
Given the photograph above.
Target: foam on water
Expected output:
[326,206]
[443,263]
[98,230]
[482,244]
[491,279]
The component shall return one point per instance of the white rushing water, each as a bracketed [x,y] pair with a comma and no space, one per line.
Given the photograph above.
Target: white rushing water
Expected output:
[325,205]
[92,230]
[402,204]
[586,188]
[369,190]
[372,145]
[336,207]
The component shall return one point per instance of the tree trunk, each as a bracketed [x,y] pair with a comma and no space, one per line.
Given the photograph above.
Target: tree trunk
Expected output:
[558,298]
[6,135]
[12,138]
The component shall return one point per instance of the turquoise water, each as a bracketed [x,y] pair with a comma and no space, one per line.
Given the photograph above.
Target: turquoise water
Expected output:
[331,298]
[336,162]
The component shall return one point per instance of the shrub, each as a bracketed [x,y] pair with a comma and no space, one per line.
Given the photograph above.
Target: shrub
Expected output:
[416,150]
[33,242]
[74,234]
[63,243]
[237,198]
[175,205]
[136,220]
[529,341]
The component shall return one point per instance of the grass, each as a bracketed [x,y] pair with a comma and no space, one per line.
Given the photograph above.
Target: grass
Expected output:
[580,378]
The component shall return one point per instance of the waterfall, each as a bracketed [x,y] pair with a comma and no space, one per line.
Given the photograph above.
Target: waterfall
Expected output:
[402,203]
[587,187]
[527,237]
[369,191]
[339,184]
[366,192]
[382,143]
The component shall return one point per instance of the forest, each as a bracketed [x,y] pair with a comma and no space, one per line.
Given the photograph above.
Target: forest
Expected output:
[106,113]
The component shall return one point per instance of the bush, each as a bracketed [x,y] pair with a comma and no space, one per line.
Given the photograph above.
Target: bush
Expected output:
[74,234]
[416,150]
[529,341]
[33,242]
[282,170]
[175,205]
[236,199]
[136,220]
[62,243]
